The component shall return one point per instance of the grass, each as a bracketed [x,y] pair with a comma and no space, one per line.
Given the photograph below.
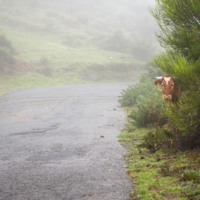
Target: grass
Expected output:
[162,175]
[73,61]
[26,29]
[39,45]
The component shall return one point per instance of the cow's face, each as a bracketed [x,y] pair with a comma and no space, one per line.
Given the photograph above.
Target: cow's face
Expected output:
[167,83]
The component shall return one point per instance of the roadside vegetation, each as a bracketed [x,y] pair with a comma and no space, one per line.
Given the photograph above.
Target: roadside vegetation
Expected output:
[164,139]
[67,42]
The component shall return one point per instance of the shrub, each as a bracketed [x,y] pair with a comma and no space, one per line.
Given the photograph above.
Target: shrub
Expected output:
[145,87]
[179,35]
[7,53]
[44,62]
[45,70]
[162,137]
[130,95]
[148,111]
[4,42]
[7,45]
[191,175]
[182,131]
[44,67]
[6,56]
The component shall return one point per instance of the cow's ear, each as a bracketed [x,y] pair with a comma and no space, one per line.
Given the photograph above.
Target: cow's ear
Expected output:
[158,82]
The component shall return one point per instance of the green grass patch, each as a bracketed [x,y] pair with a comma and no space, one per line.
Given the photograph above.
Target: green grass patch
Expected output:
[2,93]
[163,174]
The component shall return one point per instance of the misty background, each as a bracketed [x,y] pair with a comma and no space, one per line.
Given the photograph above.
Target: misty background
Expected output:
[76,41]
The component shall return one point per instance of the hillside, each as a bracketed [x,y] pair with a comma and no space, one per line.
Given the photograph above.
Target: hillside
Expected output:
[68,41]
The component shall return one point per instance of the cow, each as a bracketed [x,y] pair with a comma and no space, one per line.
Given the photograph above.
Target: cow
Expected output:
[170,87]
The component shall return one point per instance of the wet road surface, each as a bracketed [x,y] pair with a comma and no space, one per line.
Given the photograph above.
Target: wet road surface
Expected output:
[59,142]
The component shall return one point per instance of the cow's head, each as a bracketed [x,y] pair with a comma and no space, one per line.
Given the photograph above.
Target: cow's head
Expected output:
[167,83]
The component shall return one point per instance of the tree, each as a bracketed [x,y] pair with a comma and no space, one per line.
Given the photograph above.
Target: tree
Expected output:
[179,22]
[179,34]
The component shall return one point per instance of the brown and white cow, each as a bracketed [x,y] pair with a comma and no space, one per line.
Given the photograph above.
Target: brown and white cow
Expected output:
[170,87]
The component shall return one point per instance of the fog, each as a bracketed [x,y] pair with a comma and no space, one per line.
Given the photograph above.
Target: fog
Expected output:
[123,28]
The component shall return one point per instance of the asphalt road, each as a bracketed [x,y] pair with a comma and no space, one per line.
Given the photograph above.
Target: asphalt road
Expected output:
[59,142]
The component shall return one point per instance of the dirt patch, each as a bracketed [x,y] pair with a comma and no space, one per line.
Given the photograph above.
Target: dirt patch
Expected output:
[13,69]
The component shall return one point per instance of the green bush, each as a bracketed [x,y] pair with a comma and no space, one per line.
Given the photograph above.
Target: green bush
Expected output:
[186,117]
[130,95]
[7,53]
[45,70]
[154,140]
[4,42]
[179,35]
[44,67]
[6,56]
[44,62]
[191,175]
[148,111]
[7,45]
[145,87]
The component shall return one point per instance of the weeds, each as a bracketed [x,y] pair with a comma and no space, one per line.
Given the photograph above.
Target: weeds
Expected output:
[144,89]
[148,111]
[163,174]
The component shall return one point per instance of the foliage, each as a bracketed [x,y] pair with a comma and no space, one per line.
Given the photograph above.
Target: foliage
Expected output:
[154,140]
[186,71]
[130,95]
[179,26]
[179,35]
[6,56]
[186,117]
[191,175]
[172,161]
[162,174]
[44,62]
[145,98]
[7,53]
[7,45]
[144,88]
[148,111]
[44,67]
